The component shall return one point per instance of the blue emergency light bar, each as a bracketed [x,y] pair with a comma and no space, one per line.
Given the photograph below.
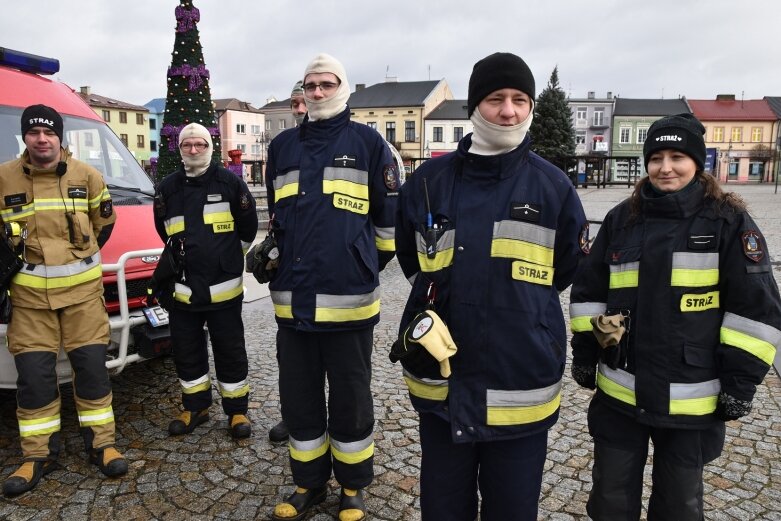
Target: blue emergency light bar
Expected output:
[28,62]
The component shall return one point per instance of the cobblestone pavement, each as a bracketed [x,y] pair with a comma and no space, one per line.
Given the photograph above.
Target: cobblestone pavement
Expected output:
[206,475]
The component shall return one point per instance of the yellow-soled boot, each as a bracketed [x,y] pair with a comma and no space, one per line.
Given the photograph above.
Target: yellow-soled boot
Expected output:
[110,462]
[298,504]
[187,422]
[351,505]
[240,426]
[26,477]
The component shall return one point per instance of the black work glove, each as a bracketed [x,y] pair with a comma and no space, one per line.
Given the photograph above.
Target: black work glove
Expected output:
[263,260]
[585,375]
[162,295]
[730,408]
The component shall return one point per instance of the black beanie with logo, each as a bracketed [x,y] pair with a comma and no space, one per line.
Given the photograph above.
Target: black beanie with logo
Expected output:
[682,132]
[501,70]
[41,116]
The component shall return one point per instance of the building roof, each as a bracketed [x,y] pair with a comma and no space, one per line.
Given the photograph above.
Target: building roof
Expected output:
[450,109]
[775,104]
[234,104]
[732,110]
[285,103]
[96,100]
[392,94]
[650,107]
[156,105]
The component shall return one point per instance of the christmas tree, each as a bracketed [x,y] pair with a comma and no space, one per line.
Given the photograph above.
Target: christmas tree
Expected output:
[553,136]
[188,99]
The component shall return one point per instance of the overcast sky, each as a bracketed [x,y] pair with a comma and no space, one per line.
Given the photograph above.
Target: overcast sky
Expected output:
[255,49]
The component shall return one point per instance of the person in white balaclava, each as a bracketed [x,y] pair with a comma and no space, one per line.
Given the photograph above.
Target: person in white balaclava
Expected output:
[332,187]
[206,216]
[489,235]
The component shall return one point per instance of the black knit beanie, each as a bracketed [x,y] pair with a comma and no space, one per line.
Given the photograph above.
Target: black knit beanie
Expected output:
[501,70]
[681,132]
[41,116]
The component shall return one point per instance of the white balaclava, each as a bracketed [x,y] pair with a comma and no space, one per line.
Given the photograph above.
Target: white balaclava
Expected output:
[196,164]
[328,107]
[489,139]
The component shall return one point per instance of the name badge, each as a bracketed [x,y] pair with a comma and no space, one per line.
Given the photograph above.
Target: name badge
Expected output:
[344,161]
[222,227]
[214,198]
[700,302]
[77,192]
[533,273]
[351,204]
[525,212]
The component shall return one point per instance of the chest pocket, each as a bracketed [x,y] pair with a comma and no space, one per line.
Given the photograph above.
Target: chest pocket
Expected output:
[218,216]
[624,265]
[349,188]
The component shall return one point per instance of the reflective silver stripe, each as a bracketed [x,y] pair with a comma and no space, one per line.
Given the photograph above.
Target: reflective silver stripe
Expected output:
[63,270]
[282,298]
[621,268]
[173,221]
[618,376]
[309,445]
[221,207]
[332,173]
[695,261]
[496,398]
[425,381]
[286,179]
[522,231]
[245,246]
[445,242]
[345,301]
[385,233]
[232,386]
[753,329]
[182,289]
[228,285]
[353,446]
[189,384]
[587,309]
[678,391]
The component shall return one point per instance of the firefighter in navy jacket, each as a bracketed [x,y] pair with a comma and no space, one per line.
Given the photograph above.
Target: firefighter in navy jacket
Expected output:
[206,215]
[332,192]
[507,225]
[684,267]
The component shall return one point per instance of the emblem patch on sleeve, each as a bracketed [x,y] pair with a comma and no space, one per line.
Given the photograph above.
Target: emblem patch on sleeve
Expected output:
[244,201]
[106,208]
[390,175]
[752,245]
[583,240]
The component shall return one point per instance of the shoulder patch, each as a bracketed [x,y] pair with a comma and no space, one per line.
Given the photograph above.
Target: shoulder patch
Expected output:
[752,245]
[244,202]
[583,239]
[106,208]
[390,175]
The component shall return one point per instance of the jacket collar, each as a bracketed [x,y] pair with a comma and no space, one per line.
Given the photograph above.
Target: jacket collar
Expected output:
[29,168]
[502,165]
[325,127]
[198,180]
[681,204]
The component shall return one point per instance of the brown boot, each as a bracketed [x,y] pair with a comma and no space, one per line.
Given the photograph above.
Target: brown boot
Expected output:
[26,477]
[187,422]
[240,426]
[110,462]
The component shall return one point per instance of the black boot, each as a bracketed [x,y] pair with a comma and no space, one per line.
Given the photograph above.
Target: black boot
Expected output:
[27,476]
[187,422]
[278,432]
[351,505]
[110,462]
[298,504]
[240,426]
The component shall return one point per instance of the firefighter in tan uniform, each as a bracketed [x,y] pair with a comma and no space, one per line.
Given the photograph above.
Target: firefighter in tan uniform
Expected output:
[59,213]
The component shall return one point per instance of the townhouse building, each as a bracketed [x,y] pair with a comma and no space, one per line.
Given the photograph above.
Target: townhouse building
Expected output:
[775,106]
[242,128]
[739,135]
[278,117]
[591,119]
[129,122]
[631,119]
[397,110]
[445,126]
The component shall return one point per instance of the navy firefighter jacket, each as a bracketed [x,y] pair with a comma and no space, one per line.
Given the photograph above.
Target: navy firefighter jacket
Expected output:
[332,192]
[510,230]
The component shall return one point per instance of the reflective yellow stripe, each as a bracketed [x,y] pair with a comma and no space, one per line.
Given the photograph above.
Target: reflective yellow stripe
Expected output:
[306,451]
[624,275]
[39,426]
[763,350]
[195,386]
[341,186]
[353,452]
[234,390]
[174,225]
[580,314]
[694,406]
[617,391]
[96,417]
[17,212]
[347,314]
[217,217]
[694,278]
[521,415]
[443,259]
[427,391]
[286,191]
[580,324]
[282,301]
[31,281]
[522,250]
[283,311]
[385,244]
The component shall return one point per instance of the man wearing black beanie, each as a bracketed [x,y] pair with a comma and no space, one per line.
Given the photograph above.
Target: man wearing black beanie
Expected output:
[489,235]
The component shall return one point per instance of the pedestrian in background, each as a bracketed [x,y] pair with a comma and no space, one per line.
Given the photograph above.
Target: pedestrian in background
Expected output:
[676,319]
[489,235]
[59,213]
[206,216]
[332,190]
[279,432]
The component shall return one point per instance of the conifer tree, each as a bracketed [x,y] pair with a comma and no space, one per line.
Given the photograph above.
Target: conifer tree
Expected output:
[188,99]
[552,133]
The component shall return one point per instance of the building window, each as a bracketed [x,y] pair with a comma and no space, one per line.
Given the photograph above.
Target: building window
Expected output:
[390,131]
[123,138]
[372,124]
[458,134]
[718,134]
[756,169]
[642,133]
[599,117]
[737,134]
[282,124]
[242,147]
[268,124]
[153,146]
[256,150]
[152,123]
[582,114]
[139,119]
[409,131]
[240,128]
[623,136]
[123,117]
[255,130]
[756,135]
[106,116]
[140,141]
[437,135]
[580,138]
